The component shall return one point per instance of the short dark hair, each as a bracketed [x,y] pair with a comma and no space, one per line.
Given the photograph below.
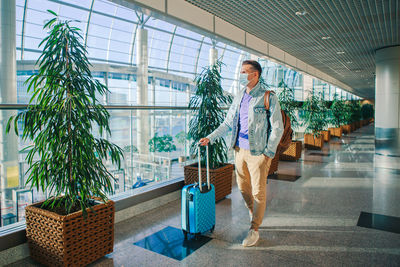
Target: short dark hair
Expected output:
[256,66]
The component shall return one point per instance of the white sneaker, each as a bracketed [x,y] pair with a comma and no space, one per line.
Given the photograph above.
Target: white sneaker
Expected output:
[251,239]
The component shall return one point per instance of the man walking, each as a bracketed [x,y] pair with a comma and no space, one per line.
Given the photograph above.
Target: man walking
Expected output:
[255,140]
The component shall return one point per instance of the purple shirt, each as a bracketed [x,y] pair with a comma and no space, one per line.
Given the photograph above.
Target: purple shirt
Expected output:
[243,136]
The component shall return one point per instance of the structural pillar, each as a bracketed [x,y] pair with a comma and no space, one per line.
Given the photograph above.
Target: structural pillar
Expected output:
[9,169]
[142,90]
[387,101]
[307,86]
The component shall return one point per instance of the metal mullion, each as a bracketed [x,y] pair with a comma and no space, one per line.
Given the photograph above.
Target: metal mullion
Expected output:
[133,40]
[88,23]
[170,47]
[198,56]
[109,36]
[23,30]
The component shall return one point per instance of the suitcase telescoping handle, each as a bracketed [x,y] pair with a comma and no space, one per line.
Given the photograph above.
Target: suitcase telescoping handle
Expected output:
[208,168]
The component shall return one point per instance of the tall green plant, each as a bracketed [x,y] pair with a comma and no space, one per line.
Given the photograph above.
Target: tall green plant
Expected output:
[65,158]
[348,113]
[355,110]
[206,105]
[337,112]
[287,103]
[367,111]
[314,118]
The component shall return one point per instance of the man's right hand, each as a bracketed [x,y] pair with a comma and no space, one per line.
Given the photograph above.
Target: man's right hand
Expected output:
[204,141]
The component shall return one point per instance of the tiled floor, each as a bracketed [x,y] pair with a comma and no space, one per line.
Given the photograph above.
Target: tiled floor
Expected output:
[309,222]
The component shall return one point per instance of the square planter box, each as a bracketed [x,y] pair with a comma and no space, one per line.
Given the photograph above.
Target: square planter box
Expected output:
[336,132]
[293,153]
[313,142]
[221,178]
[326,135]
[70,240]
[346,128]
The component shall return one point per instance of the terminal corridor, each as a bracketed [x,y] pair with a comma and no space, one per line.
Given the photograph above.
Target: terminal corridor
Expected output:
[320,219]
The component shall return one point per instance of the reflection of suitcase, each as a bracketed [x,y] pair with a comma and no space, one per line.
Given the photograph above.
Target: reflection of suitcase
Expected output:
[198,205]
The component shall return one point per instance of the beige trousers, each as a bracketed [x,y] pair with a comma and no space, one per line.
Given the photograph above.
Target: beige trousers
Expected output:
[251,177]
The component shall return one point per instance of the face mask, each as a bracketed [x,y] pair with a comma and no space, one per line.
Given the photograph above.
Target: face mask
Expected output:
[243,79]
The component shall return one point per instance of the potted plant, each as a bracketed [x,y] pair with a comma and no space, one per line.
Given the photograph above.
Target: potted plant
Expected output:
[163,143]
[314,120]
[336,117]
[289,106]
[66,159]
[355,113]
[367,112]
[206,106]
[347,114]
[325,112]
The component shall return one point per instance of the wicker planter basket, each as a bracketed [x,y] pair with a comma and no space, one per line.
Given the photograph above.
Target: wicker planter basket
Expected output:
[326,135]
[346,128]
[293,153]
[313,142]
[221,178]
[70,240]
[336,132]
[274,165]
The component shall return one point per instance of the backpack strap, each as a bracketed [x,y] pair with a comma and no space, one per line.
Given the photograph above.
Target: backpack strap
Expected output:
[266,99]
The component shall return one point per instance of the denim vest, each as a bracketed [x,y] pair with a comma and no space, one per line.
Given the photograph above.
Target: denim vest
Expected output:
[265,127]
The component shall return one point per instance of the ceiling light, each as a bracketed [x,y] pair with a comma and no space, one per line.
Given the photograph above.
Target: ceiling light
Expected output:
[358,70]
[301,13]
[340,52]
[326,37]
[349,62]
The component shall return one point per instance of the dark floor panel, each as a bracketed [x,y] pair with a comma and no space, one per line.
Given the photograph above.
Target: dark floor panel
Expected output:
[380,222]
[170,242]
[284,177]
[320,154]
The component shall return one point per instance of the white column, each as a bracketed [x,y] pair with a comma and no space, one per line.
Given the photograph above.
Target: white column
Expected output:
[307,85]
[213,56]
[9,169]
[387,101]
[142,90]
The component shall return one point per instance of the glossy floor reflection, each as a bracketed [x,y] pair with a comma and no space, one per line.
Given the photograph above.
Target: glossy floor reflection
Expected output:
[171,242]
[309,222]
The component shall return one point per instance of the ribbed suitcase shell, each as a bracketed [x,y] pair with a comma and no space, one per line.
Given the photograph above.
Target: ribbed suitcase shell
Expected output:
[198,209]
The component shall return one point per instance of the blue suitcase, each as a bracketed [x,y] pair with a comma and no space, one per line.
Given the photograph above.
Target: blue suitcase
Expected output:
[198,205]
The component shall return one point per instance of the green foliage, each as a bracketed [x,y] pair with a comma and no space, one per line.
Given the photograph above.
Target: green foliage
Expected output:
[206,105]
[367,111]
[65,158]
[337,112]
[163,143]
[288,104]
[314,117]
[181,137]
[355,110]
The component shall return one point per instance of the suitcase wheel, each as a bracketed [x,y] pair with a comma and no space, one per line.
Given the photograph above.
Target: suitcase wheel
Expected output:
[212,229]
